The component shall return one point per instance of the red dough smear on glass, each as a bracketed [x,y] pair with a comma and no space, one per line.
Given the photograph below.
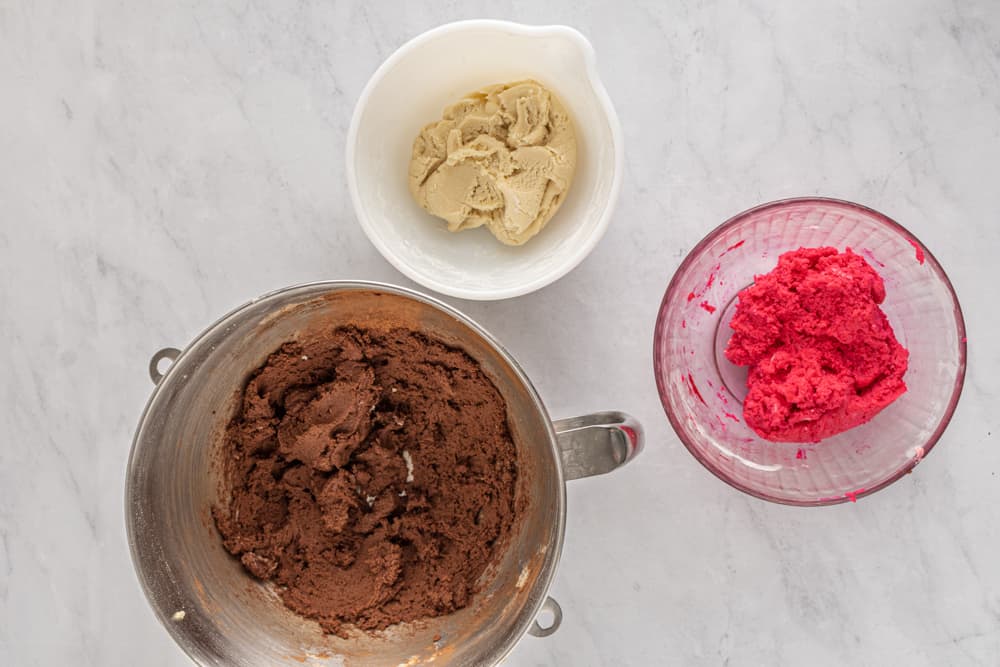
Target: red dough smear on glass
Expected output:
[822,355]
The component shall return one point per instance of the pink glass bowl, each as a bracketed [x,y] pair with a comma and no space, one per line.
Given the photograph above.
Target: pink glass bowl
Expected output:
[702,392]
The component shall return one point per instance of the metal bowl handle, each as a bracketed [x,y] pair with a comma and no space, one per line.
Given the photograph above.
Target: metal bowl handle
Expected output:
[597,443]
[591,445]
[170,353]
[550,605]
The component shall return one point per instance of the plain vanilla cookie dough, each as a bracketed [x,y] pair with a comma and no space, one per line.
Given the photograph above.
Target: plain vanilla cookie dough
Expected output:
[502,156]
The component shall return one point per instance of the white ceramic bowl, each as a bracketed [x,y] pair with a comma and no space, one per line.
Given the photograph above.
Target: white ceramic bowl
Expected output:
[412,88]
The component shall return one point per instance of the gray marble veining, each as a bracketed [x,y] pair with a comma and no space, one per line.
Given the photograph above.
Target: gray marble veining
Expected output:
[161,162]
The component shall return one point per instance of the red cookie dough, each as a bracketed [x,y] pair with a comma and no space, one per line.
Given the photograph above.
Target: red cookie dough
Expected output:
[370,475]
[822,355]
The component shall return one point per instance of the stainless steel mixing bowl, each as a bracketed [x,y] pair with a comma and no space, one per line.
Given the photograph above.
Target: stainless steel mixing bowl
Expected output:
[220,615]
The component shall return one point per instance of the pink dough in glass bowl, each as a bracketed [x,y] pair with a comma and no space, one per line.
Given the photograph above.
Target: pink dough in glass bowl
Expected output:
[702,392]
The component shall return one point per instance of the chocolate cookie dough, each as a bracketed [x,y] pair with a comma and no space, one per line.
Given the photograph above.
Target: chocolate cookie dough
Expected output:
[370,475]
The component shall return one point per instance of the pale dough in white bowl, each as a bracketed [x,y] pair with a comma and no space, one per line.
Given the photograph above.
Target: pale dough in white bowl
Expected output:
[411,88]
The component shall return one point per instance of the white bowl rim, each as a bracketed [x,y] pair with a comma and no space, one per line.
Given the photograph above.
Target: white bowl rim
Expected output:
[572,259]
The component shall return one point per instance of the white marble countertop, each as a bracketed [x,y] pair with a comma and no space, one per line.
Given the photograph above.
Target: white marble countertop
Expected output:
[161,162]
